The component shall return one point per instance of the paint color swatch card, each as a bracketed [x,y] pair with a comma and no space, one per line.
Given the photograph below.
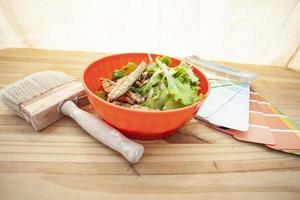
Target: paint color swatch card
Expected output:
[285,131]
[259,131]
[233,109]
[227,104]
[267,125]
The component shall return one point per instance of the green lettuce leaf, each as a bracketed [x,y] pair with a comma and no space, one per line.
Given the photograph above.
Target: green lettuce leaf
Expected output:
[171,104]
[153,81]
[169,87]
[185,71]
[157,97]
[180,91]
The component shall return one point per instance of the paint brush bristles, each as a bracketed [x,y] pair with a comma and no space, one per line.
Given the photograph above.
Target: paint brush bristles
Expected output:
[31,86]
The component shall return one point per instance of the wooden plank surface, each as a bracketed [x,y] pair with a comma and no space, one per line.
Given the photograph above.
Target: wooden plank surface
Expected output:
[63,162]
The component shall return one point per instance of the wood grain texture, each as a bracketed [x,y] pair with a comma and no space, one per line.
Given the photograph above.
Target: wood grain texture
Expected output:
[64,162]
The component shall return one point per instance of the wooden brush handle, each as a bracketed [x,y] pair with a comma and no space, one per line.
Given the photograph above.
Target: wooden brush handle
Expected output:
[103,132]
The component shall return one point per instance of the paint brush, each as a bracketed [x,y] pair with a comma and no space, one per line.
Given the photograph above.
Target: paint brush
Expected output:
[44,97]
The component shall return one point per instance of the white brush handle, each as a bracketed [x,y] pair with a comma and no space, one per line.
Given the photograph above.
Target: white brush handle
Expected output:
[103,132]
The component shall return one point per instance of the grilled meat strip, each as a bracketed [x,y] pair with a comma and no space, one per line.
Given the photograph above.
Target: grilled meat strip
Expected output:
[124,85]
[128,97]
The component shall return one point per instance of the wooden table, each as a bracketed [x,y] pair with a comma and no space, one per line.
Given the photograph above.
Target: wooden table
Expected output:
[63,162]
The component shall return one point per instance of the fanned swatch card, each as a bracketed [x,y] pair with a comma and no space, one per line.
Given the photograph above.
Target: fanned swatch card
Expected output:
[285,131]
[267,125]
[233,109]
[227,104]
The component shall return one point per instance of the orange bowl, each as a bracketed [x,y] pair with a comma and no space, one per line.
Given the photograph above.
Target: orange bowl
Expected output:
[137,124]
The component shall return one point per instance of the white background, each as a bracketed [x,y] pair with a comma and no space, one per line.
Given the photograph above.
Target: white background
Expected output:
[246,31]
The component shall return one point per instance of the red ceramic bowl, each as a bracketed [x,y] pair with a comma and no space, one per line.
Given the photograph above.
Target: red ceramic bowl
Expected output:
[137,124]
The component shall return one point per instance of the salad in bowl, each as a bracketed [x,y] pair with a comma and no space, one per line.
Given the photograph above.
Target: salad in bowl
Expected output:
[145,96]
[153,86]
